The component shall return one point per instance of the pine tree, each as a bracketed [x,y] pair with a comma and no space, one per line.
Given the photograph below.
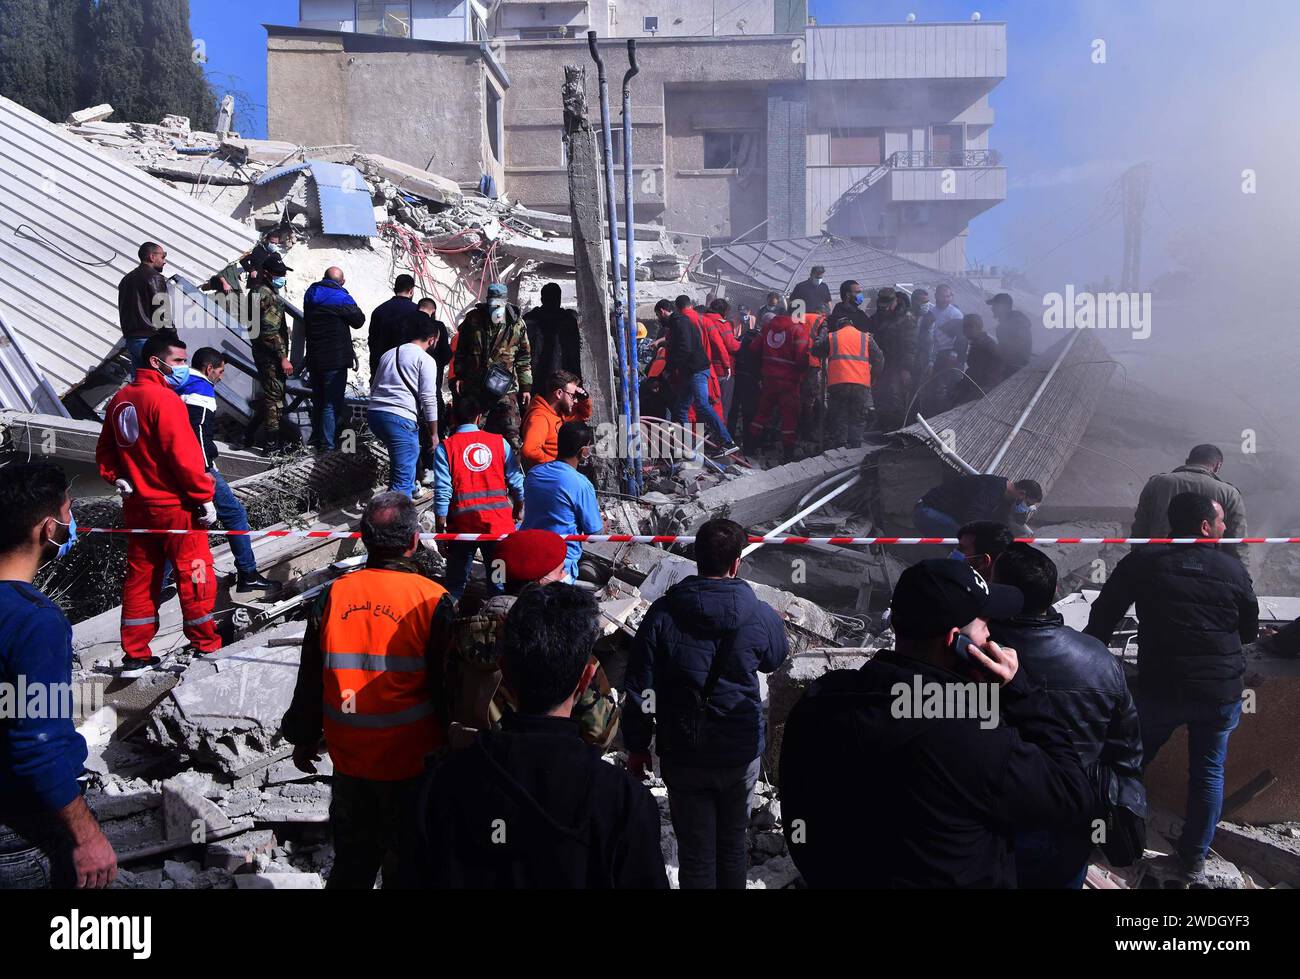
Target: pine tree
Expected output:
[117,33]
[39,66]
[176,79]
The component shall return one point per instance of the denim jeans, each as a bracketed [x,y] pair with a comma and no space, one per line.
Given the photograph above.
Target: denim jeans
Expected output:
[33,856]
[329,391]
[460,556]
[1208,728]
[932,523]
[402,438]
[1050,860]
[233,516]
[696,392]
[135,347]
[710,812]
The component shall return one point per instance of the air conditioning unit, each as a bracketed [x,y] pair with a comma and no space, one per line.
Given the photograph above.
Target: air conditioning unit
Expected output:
[651,25]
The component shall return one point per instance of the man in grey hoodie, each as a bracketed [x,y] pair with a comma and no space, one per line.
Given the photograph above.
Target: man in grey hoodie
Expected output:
[404,392]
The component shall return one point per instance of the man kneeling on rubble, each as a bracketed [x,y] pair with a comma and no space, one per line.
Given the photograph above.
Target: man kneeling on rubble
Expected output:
[532,805]
[371,657]
[918,769]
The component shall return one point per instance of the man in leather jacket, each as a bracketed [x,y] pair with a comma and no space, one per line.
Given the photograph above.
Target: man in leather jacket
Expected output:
[1086,686]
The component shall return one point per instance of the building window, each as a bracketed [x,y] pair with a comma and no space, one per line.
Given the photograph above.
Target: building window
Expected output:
[947,146]
[857,148]
[722,151]
[494,122]
[384,17]
[543,33]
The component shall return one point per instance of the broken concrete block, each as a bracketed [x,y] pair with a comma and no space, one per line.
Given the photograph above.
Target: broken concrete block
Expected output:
[181,123]
[180,873]
[187,814]
[239,851]
[279,882]
[96,113]
[412,180]
[773,874]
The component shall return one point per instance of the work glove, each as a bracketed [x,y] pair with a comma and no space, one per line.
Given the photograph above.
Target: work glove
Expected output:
[208,515]
[124,487]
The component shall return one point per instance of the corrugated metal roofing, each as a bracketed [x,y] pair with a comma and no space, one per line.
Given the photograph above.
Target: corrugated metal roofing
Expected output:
[777,265]
[1054,429]
[71,220]
[22,387]
[346,207]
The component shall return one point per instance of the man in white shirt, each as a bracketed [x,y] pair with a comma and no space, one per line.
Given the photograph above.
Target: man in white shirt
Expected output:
[404,392]
[948,344]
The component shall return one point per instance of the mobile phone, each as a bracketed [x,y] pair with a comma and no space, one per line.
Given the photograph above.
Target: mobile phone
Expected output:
[961,648]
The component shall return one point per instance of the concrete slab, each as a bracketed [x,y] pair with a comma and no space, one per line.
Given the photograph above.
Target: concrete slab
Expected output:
[279,882]
[414,181]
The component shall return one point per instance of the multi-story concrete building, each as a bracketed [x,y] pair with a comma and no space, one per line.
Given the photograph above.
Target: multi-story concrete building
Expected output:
[747,121]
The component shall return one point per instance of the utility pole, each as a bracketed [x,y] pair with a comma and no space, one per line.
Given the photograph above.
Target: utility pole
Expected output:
[592,276]
[1134,186]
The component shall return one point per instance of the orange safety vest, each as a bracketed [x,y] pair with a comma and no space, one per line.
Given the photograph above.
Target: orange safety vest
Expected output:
[848,362]
[380,721]
[480,500]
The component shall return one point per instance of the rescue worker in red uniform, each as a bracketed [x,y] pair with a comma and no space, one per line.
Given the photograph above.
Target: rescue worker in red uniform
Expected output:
[784,348]
[722,347]
[371,658]
[148,450]
[478,488]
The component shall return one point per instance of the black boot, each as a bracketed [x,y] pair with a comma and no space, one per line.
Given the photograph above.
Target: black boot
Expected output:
[253,581]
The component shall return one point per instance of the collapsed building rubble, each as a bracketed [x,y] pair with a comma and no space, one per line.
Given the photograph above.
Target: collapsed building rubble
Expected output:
[198,744]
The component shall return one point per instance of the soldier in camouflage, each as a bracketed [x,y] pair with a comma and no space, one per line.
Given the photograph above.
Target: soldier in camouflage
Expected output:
[493,333]
[271,349]
[476,697]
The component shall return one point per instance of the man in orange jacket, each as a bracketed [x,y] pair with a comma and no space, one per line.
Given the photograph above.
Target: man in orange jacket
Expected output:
[564,400]
[148,450]
[371,658]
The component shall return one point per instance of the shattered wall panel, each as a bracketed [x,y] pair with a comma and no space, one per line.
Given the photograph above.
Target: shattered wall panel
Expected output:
[71,221]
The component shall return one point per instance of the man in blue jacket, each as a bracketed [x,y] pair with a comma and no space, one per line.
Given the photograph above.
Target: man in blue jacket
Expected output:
[328,313]
[199,392]
[48,835]
[711,635]
[559,498]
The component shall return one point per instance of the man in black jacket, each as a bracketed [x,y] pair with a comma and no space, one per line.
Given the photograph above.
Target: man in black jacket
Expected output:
[894,328]
[553,335]
[687,370]
[140,295]
[1015,335]
[1196,606]
[943,510]
[918,769]
[329,312]
[1086,686]
[710,634]
[533,806]
[390,323]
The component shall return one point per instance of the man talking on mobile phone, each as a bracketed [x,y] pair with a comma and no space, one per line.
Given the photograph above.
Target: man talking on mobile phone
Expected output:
[918,769]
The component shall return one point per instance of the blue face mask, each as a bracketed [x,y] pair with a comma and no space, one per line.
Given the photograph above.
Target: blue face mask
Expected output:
[66,546]
[279,282]
[956,555]
[1023,509]
[859,298]
[179,375]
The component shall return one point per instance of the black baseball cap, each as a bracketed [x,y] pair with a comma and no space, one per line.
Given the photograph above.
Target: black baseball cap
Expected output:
[1001,297]
[932,597]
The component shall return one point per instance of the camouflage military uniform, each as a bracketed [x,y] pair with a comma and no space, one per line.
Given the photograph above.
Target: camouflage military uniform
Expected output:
[483,343]
[270,347]
[476,694]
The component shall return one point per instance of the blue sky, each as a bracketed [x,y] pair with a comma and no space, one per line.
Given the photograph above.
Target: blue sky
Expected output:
[1197,89]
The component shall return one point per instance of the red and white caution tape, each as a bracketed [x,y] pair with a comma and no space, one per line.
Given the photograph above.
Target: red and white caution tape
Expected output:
[690,539]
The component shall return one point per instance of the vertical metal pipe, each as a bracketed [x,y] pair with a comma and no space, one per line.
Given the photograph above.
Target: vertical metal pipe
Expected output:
[612,213]
[629,218]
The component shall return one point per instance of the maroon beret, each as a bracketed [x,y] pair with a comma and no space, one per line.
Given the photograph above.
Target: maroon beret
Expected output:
[529,555]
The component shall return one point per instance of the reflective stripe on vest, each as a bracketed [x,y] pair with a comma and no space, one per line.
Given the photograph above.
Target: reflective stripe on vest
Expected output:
[480,503]
[843,367]
[379,718]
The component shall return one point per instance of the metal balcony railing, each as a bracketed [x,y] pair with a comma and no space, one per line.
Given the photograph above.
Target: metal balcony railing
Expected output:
[944,158]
